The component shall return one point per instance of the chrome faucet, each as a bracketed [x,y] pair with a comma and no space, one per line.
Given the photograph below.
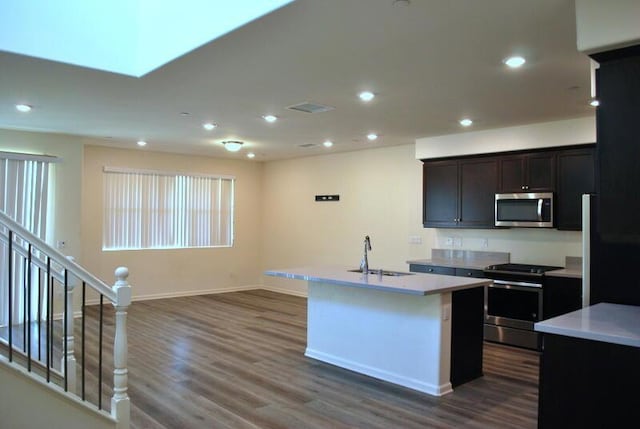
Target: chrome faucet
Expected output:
[364,263]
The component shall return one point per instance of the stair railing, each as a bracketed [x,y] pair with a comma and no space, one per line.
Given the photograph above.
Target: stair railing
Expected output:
[29,263]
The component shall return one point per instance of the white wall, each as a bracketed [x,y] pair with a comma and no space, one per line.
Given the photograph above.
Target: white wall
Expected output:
[605,25]
[380,196]
[547,134]
[175,272]
[65,222]
[26,403]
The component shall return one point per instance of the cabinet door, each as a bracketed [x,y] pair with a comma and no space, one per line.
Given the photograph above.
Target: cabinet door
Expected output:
[512,170]
[576,176]
[478,185]
[540,172]
[618,85]
[533,172]
[440,204]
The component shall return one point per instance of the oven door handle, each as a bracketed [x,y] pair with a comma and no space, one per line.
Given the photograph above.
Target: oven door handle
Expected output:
[502,284]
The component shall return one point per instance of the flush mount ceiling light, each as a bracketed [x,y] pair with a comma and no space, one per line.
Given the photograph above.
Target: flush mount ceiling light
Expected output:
[142,143]
[232,145]
[366,96]
[327,143]
[466,122]
[594,103]
[251,155]
[372,136]
[209,126]
[270,118]
[24,108]
[515,62]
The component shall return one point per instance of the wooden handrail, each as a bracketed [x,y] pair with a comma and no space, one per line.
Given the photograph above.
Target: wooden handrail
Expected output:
[61,259]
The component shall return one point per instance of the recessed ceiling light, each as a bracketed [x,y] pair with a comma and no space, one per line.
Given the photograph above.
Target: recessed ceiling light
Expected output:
[372,136]
[366,96]
[515,62]
[209,126]
[24,108]
[251,155]
[466,122]
[270,118]
[142,143]
[232,145]
[327,143]
[594,102]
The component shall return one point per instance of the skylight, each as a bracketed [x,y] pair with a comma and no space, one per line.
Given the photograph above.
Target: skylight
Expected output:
[131,37]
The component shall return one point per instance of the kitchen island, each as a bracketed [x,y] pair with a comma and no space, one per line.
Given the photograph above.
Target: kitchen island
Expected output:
[422,331]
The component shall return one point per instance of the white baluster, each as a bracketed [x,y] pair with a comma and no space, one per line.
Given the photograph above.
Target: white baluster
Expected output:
[120,406]
[69,370]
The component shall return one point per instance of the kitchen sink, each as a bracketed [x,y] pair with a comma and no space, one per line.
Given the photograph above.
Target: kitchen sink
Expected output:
[384,272]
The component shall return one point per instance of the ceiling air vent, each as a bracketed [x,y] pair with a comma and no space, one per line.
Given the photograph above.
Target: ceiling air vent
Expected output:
[309,107]
[305,145]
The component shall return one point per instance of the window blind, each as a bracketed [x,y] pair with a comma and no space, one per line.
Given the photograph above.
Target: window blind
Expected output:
[153,210]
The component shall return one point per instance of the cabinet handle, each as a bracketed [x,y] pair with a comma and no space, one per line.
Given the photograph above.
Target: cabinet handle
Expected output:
[469,274]
[430,270]
[523,187]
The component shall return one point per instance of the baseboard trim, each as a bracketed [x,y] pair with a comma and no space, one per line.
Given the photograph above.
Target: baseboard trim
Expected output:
[302,294]
[179,294]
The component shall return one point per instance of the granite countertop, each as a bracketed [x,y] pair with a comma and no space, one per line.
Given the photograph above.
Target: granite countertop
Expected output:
[452,263]
[469,259]
[573,268]
[610,323]
[413,283]
[565,272]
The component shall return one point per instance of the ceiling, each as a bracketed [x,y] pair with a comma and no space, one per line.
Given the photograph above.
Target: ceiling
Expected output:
[430,64]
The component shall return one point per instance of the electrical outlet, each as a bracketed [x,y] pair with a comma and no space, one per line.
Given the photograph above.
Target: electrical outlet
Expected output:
[448,241]
[457,242]
[446,312]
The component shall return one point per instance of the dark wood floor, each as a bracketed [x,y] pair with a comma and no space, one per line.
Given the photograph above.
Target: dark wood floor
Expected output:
[236,360]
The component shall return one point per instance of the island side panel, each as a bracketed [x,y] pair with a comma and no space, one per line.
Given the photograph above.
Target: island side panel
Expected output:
[395,337]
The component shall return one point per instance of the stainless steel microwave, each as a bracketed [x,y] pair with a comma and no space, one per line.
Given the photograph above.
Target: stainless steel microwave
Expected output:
[525,209]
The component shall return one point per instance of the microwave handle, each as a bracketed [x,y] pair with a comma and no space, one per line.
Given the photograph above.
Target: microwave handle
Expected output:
[540,209]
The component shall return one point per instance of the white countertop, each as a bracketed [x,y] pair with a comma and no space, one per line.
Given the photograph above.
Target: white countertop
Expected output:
[413,284]
[565,272]
[451,263]
[611,323]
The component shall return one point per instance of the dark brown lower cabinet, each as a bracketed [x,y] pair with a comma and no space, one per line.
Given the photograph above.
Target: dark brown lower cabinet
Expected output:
[588,384]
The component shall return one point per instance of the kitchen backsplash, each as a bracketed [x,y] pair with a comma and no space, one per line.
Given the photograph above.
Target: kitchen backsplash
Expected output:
[533,246]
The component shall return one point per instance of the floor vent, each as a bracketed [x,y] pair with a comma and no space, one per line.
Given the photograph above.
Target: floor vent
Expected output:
[309,107]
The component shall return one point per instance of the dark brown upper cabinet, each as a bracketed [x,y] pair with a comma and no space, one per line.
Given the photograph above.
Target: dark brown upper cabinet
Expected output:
[576,176]
[531,172]
[459,193]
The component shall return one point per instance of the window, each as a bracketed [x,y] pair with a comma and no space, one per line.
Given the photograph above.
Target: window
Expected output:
[24,186]
[157,210]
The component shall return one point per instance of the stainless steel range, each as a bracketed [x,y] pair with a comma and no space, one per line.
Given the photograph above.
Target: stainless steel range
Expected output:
[513,303]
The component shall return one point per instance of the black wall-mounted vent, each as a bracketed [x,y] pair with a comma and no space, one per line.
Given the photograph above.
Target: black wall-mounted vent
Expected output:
[327,197]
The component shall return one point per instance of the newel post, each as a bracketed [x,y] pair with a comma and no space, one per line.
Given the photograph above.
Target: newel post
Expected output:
[68,363]
[120,407]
